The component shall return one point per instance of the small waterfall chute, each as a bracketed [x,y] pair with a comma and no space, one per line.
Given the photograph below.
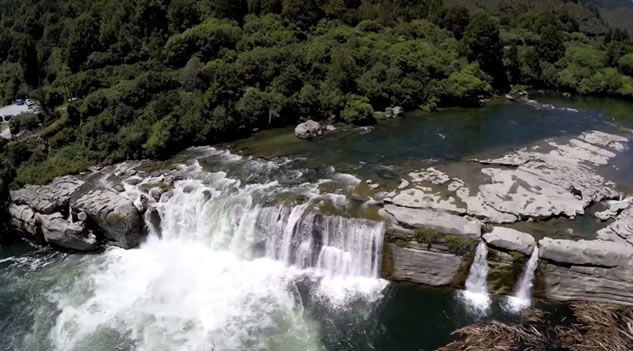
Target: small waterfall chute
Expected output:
[476,294]
[522,298]
[70,214]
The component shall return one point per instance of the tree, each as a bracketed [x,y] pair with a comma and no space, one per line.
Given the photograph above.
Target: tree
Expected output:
[453,18]
[482,44]
[303,13]
[625,64]
[231,9]
[158,142]
[190,76]
[83,40]
[358,110]
[551,48]
[182,14]
[512,64]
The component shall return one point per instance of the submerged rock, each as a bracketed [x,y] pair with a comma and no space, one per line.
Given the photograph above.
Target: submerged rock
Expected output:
[116,216]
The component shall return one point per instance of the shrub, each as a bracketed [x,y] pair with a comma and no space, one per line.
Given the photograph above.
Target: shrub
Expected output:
[358,111]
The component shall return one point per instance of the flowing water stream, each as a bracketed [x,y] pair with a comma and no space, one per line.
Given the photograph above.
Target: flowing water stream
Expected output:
[277,254]
[522,298]
[476,293]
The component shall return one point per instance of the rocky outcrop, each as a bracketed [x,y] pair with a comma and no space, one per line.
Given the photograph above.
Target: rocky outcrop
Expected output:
[48,198]
[510,240]
[585,252]
[436,220]
[593,270]
[420,266]
[52,213]
[117,217]
[60,232]
[53,228]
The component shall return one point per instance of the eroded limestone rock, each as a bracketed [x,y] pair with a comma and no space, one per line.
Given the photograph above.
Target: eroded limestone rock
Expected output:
[437,220]
[421,266]
[60,232]
[116,216]
[510,240]
[49,198]
[598,253]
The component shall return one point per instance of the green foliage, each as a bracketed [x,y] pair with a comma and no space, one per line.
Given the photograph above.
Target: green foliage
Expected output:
[458,244]
[151,77]
[625,64]
[482,44]
[358,110]
[426,235]
[464,87]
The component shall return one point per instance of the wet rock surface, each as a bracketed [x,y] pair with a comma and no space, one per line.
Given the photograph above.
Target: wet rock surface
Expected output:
[545,181]
[421,266]
[117,217]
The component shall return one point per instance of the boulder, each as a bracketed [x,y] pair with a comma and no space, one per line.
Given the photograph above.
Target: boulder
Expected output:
[510,240]
[598,253]
[49,198]
[436,220]
[23,218]
[117,217]
[157,192]
[58,231]
[307,130]
[153,218]
[420,266]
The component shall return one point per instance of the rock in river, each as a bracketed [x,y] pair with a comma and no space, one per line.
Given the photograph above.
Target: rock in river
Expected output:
[60,232]
[309,129]
[116,216]
[510,240]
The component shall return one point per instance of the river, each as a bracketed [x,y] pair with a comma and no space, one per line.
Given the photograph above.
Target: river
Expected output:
[238,267]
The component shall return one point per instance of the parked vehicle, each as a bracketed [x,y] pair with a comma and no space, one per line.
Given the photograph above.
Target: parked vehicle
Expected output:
[19,102]
[29,102]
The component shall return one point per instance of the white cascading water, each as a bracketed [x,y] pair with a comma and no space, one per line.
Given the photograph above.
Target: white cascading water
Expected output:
[70,214]
[476,294]
[224,275]
[522,298]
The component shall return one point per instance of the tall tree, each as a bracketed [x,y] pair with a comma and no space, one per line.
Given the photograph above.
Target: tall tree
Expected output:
[482,44]
[551,48]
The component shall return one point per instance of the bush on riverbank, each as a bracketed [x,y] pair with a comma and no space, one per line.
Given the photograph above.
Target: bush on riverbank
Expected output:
[153,77]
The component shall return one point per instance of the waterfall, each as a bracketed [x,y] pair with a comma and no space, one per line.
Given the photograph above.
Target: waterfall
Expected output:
[70,214]
[332,245]
[523,292]
[233,265]
[476,293]
[294,235]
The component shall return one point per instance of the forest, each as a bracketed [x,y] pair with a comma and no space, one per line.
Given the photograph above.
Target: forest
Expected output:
[132,79]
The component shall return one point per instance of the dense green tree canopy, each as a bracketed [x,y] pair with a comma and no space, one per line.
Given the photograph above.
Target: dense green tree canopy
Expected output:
[146,78]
